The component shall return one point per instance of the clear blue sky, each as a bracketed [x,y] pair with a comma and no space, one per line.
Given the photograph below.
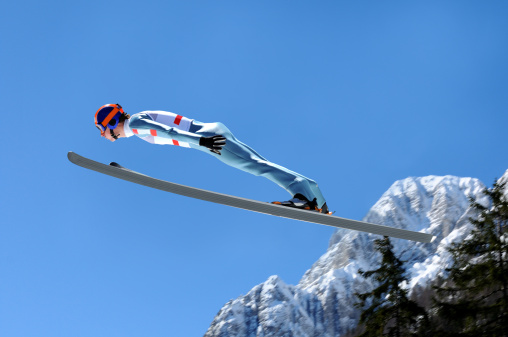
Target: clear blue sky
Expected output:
[354,94]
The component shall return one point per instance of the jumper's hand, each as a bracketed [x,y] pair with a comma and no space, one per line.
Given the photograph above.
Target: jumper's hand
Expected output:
[214,143]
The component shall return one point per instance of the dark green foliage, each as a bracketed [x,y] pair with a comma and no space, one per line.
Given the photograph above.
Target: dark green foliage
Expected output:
[388,310]
[473,301]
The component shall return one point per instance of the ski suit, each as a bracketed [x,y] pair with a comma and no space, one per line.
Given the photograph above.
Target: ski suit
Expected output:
[166,128]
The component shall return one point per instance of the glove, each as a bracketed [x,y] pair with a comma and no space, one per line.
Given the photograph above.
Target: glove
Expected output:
[214,143]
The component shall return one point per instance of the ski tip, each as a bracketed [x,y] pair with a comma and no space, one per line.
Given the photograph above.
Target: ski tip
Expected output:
[72,157]
[433,238]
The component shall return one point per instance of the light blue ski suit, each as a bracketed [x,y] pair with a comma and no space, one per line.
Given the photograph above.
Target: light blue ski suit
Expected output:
[160,127]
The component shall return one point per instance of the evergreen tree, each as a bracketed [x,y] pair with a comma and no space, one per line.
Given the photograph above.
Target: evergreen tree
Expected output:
[474,299]
[389,311]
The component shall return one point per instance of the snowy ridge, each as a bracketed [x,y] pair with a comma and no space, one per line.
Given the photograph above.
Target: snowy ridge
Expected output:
[322,303]
[272,308]
[504,179]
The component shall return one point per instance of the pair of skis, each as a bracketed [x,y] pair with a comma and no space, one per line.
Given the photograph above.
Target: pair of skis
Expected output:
[117,171]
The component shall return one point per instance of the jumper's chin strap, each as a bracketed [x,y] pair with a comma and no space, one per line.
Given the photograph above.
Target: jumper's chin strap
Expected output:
[113,135]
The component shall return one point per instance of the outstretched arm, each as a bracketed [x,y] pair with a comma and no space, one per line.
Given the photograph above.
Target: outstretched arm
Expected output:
[145,122]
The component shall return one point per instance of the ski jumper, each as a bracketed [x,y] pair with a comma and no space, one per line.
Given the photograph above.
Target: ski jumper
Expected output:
[166,128]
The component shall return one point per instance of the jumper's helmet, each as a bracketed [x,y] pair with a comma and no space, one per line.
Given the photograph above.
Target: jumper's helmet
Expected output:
[108,116]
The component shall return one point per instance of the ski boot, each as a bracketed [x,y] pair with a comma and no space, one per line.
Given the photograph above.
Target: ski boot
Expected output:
[301,202]
[324,209]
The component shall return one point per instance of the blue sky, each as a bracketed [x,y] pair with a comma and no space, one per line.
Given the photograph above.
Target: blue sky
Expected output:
[353,94]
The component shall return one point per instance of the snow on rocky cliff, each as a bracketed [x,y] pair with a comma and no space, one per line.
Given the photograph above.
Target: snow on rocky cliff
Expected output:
[322,304]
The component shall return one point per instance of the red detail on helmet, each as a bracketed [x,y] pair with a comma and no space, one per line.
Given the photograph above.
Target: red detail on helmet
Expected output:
[178,119]
[175,142]
[153,132]
[135,131]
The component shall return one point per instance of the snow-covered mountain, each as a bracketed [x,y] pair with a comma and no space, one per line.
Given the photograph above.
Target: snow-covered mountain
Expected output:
[322,304]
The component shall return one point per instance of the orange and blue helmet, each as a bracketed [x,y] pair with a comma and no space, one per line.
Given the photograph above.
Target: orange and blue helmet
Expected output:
[108,116]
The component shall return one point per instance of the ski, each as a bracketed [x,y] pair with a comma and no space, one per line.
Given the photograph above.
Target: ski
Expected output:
[120,172]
